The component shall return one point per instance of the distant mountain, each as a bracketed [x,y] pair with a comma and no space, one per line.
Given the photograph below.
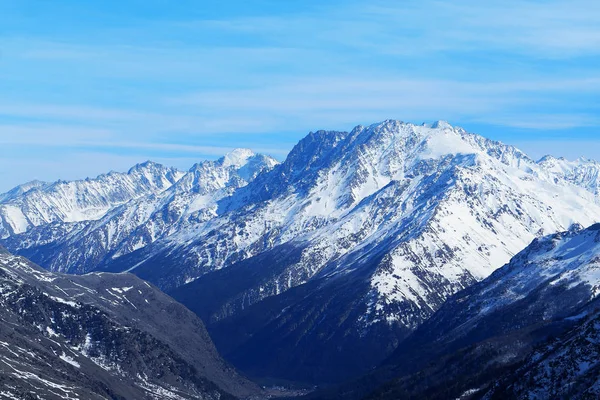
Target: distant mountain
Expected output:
[529,331]
[315,269]
[160,201]
[103,336]
[21,190]
[38,204]
[582,172]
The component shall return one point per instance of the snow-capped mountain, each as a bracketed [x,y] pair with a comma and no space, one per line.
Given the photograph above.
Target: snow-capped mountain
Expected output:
[38,204]
[21,190]
[369,230]
[532,324]
[333,186]
[379,226]
[103,336]
[79,247]
[582,172]
[555,277]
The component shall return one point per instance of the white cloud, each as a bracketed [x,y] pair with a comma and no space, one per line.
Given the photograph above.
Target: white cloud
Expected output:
[50,134]
[553,29]
[339,100]
[544,122]
[570,149]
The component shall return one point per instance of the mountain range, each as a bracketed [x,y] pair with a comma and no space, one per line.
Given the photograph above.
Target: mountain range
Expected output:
[318,268]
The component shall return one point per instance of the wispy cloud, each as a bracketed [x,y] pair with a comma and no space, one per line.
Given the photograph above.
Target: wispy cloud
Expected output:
[341,99]
[570,149]
[69,137]
[173,62]
[50,135]
[555,29]
[176,86]
[84,120]
[544,122]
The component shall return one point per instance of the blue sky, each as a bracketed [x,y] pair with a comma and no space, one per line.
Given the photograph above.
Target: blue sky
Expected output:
[92,86]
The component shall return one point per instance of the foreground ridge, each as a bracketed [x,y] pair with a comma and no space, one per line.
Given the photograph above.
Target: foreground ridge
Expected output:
[103,336]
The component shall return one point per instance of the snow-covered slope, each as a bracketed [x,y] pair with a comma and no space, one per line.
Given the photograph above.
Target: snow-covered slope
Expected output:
[453,203]
[554,277]
[582,172]
[38,203]
[385,221]
[21,190]
[78,247]
[566,260]
[529,331]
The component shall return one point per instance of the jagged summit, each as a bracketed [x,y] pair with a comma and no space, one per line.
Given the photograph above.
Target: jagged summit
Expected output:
[581,172]
[549,159]
[22,189]
[81,200]
[146,165]
[441,125]
[237,158]
[584,159]
[115,214]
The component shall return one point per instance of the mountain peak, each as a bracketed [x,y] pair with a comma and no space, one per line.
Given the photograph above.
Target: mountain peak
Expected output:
[551,160]
[144,166]
[22,189]
[441,124]
[389,123]
[382,224]
[586,160]
[548,159]
[237,157]
[582,172]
